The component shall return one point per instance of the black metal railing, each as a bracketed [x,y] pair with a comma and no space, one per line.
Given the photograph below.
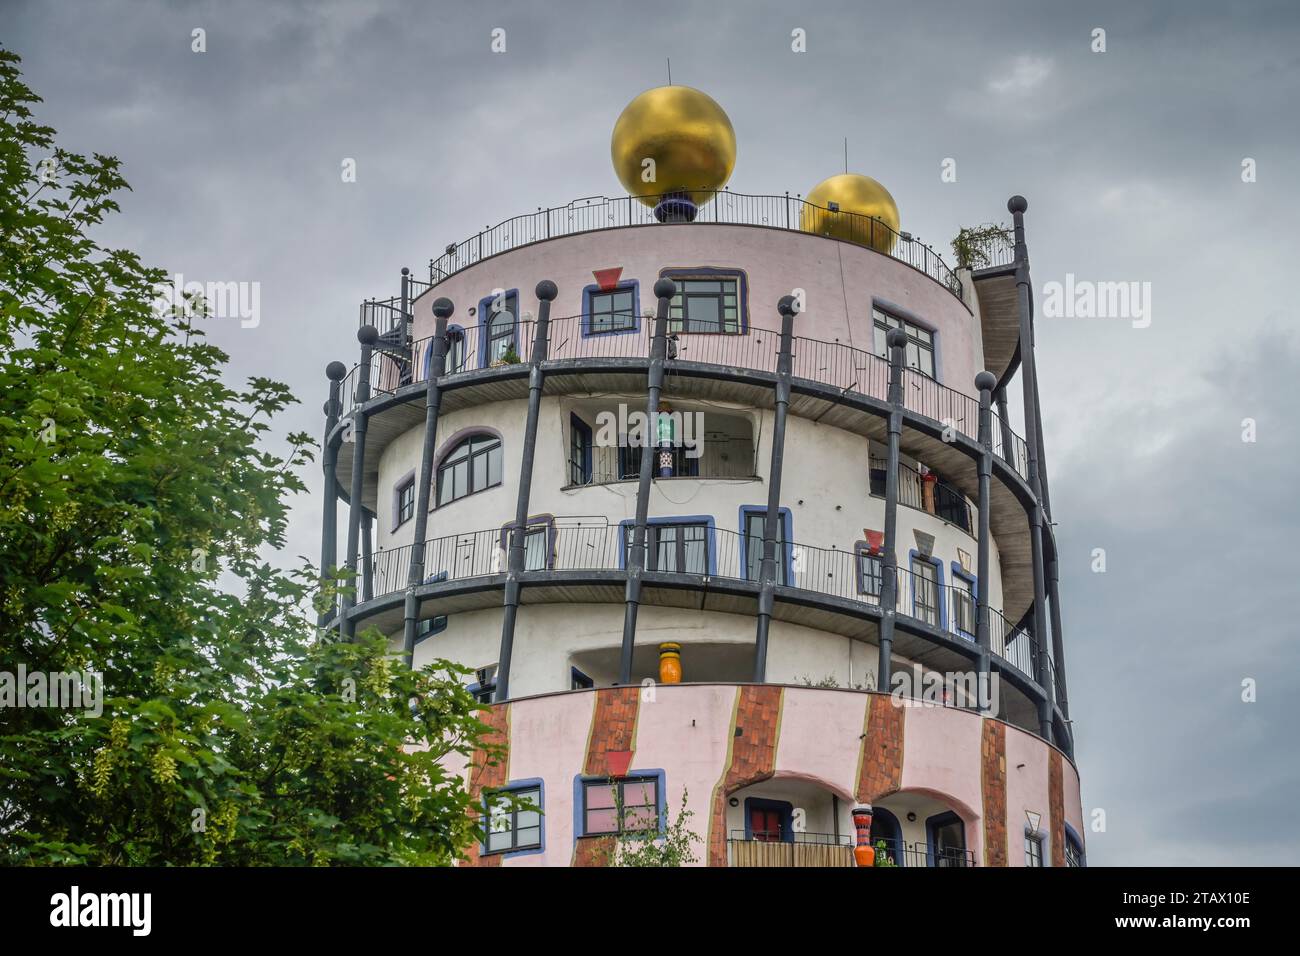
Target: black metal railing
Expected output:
[594,213]
[901,853]
[592,543]
[828,363]
[944,501]
[784,835]
[720,458]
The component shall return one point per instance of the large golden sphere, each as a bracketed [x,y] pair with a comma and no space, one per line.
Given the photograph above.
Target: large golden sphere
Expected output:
[687,135]
[867,213]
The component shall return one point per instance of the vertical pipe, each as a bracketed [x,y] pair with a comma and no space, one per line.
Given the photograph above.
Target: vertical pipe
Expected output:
[329,533]
[665,289]
[772,517]
[404,322]
[367,555]
[442,310]
[1017,206]
[1053,573]
[896,339]
[367,336]
[984,382]
[1008,439]
[546,292]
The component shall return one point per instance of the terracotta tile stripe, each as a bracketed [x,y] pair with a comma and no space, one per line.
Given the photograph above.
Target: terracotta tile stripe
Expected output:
[1056,805]
[751,757]
[993,784]
[880,763]
[613,727]
[487,775]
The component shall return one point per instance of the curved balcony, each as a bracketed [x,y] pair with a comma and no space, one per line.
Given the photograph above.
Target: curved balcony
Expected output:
[584,560]
[595,213]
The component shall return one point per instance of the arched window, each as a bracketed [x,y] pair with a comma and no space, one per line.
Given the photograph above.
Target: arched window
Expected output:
[455,350]
[501,334]
[473,465]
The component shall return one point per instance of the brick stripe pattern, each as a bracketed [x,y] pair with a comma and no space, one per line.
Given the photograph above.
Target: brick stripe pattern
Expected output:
[613,728]
[755,732]
[1056,805]
[484,775]
[993,784]
[881,761]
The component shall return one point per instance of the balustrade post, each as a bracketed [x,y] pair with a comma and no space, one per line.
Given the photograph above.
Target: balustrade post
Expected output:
[771,519]
[515,563]
[664,290]
[442,310]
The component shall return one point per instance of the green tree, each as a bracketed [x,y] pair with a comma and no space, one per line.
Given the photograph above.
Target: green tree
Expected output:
[654,847]
[131,480]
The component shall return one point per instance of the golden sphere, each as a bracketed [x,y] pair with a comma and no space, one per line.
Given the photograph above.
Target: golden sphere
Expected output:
[865,209]
[687,135]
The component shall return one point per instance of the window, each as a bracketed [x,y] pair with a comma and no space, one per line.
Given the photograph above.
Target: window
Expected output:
[455,351]
[753,535]
[768,821]
[629,805]
[963,605]
[950,505]
[1033,849]
[514,824]
[673,547]
[919,353]
[871,574]
[611,311]
[484,687]
[579,681]
[947,836]
[500,316]
[430,626]
[925,591]
[579,451]
[1073,850]
[405,502]
[535,548]
[473,465]
[706,304]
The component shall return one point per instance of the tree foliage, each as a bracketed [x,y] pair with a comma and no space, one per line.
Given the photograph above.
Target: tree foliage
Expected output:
[137,500]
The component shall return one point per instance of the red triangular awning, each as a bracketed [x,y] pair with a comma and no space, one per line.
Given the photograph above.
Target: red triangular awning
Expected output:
[875,541]
[617,761]
[607,279]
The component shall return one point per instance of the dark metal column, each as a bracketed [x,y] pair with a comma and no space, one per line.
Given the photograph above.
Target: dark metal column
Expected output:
[1008,437]
[1053,572]
[665,289]
[367,336]
[329,534]
[442,310]
[896,339]
[367,555]
[771,519]
[546,292]
[984,382]
[1017,206]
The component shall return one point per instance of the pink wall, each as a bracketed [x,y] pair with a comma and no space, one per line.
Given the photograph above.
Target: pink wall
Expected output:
[1027,791]
[941,756]
[776,261]
[815,727]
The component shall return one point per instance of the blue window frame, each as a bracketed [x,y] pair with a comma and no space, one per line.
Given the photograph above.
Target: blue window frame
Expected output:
[580,444]
[611,311]
[596,803]
[946,841]
[1033,849]
[871,571]
[403,500]
[927,590]
[499,327]
[965,594]
[751,542]
[515,827]
[1074,855]
[709,300]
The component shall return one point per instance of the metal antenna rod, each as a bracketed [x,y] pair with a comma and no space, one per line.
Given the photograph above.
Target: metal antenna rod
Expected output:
[670,70]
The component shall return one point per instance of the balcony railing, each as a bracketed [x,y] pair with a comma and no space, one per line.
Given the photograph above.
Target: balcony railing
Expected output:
[948,502]
[841,366]
[573,544]
[601,212]
[794,849]
[902,853]
[719,458]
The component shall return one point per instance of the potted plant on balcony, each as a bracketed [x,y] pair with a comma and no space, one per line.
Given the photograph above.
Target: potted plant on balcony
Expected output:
[508,357]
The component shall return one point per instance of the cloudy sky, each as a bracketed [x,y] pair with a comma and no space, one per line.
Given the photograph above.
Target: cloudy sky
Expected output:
[1132,163]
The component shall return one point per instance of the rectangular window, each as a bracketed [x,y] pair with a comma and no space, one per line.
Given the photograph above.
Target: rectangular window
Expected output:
[963,606]
[535,548]
[870,574]
[1073,852]
[920,342]
[753,533]
[406,502]
[925,592]
[629,805]
[484,686]
[706,304]
[514,827]
[683,465]
[950,505]
[579,452]
[673,547]
[611,312]
[1033,850]
[500,318]
[579,681]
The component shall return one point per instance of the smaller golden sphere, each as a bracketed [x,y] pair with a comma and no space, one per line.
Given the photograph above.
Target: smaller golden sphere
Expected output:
[867,214]
[687,135]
